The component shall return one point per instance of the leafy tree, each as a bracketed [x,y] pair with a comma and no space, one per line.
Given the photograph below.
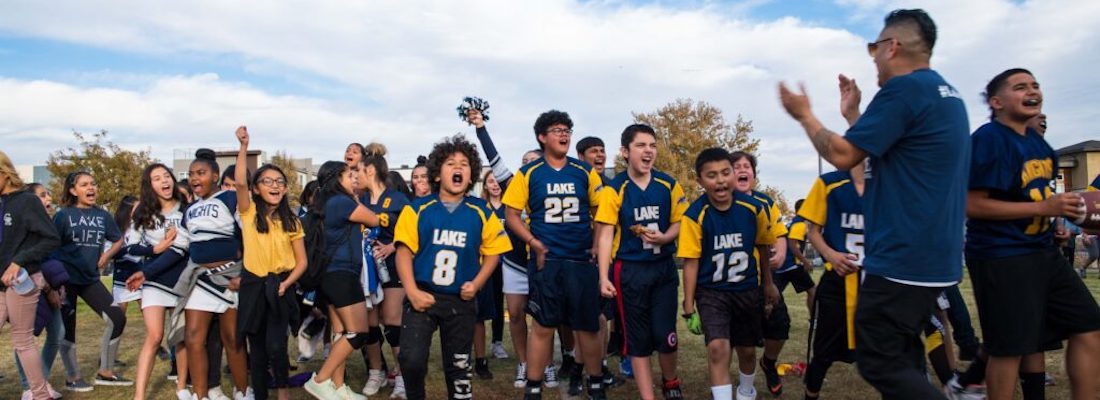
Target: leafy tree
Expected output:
[684,128]
[117,171]
[293,186]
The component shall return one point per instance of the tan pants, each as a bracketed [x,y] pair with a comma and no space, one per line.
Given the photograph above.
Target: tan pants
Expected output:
[20,311]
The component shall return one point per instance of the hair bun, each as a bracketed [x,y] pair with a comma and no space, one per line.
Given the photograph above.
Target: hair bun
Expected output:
[206,154]
[421,160]
[375,149]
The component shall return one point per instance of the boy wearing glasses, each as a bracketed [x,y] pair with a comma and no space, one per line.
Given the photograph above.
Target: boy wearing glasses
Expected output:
[559,194]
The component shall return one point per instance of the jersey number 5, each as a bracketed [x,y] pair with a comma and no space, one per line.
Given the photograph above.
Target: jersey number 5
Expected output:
[737,262]
[562,209]
[445,263]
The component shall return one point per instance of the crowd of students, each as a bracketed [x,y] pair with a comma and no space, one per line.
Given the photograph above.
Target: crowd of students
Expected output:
[223,263]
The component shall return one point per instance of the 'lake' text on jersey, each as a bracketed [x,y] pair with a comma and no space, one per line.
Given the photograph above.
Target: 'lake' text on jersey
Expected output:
[448,238]
[560,188]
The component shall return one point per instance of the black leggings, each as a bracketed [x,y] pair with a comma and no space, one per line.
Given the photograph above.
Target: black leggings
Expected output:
[497,285]
[269,348]
[99,300]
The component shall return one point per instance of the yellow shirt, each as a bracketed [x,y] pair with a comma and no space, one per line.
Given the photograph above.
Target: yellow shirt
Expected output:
[267,253]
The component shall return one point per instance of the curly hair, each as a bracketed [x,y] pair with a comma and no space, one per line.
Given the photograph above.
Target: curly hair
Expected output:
[548,119]
[443,150]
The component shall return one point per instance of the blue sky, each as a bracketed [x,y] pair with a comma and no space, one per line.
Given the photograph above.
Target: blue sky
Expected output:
[310,77]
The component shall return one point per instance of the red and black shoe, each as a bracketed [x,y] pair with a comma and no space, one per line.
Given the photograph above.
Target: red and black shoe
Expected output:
[771,375]
[671,389]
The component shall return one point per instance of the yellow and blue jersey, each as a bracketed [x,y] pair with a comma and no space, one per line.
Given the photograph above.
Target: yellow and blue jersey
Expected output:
[624,204]
[724,242]
[777,229]
[447,245]
[796,230]
[1095,185]
[835,206]
[388,208]
[1014,168]
[559,203]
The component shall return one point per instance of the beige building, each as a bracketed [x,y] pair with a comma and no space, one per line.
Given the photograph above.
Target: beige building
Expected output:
[1078,165]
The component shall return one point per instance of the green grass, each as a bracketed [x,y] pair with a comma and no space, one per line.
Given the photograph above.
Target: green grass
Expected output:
[843,382]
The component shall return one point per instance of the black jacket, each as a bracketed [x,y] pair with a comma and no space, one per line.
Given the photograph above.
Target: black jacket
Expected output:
[29,235]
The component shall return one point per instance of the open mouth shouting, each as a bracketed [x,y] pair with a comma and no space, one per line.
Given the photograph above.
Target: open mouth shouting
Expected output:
[743,182]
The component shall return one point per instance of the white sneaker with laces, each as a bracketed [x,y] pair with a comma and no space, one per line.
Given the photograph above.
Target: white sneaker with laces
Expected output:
[550,379]
[742,396]
[498,351]
[954,391]
[345,393]
[521,376]
[398,388]
[375,381]
[322,390]
[215,393]
[184,394]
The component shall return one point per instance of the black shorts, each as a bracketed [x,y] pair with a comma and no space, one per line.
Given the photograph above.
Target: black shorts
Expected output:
[1026,303]
[485,305]
[647,297]
[830,325]
[735,316]
[798,277]
[777,323]
[565,292]
[342,288]
[391,269]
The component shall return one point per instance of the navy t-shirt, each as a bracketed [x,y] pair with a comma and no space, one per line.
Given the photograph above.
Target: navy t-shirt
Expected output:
[1015,168]
[343,238]
[916,134]
[83,232]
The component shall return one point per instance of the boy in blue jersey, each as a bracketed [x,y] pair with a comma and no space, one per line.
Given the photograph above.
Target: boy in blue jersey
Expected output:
[833,212]
[718,235]
[915,135]
[637,224]
[1028,296]
[559,192]
[447,247]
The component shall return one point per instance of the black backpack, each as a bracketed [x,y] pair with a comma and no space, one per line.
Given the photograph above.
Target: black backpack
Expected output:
[317,258]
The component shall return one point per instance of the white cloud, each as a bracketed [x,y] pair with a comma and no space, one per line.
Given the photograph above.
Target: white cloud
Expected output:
[599,61]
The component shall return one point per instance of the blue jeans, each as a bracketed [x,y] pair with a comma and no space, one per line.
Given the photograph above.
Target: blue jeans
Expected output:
[55,330]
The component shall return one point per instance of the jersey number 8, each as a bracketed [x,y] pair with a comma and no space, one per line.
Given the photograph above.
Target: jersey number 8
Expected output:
[562,209]
[737,263]
[445,263]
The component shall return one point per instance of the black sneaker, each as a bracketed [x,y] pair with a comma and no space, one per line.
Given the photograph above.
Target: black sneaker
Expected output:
[576,383]
[481,368]
[78,385]
[611,380]
[596,389]
[671,390]
[532,391]
[568,364]
[113,380]
[775,385]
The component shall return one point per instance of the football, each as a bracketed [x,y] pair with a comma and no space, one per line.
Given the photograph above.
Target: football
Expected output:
[1091,218]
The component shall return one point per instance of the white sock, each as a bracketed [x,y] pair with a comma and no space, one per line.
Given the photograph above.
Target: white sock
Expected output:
[724,392]
[745,387]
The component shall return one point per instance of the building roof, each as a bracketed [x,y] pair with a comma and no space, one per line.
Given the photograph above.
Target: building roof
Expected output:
[1083,147]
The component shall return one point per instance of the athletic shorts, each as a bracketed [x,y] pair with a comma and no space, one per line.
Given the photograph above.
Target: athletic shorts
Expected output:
[156,295]
[798,277]
[342,288]
[515,277]
[210,297]
[647,301]
[485,305]
[777,323]
[1027,302]
[735,316]
[565,292]
[830,325]
[391,269]
[123,295]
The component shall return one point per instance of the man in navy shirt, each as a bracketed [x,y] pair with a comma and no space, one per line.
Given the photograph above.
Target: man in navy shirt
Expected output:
[915,138]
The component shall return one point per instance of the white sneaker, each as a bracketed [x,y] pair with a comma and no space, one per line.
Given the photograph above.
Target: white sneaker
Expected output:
[321,390]
[27,395]
[550,379]
[375,381]
[751,396]
[398,388]
[345,393]
[215,393]
[55,395]
[521,376]
[954,391]
[184,394]
[246,395]
[498,351]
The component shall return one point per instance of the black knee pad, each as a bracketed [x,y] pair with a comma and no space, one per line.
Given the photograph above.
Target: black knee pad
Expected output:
[374,335]
[357,340]
[393,335]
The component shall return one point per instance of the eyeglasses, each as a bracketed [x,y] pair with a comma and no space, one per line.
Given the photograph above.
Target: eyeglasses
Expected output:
[873,46]
[278,183]
[560,131]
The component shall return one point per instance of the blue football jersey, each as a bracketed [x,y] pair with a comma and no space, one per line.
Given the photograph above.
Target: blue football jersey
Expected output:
[724,242]
[448,245]
[559,203]
[834,204]
[624,204]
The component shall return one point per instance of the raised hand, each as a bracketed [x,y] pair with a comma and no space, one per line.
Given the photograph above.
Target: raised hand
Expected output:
[850,96]
[796,104]
[474,117]
[242,135]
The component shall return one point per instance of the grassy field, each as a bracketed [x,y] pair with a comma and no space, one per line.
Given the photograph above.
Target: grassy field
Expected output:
[843,382]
